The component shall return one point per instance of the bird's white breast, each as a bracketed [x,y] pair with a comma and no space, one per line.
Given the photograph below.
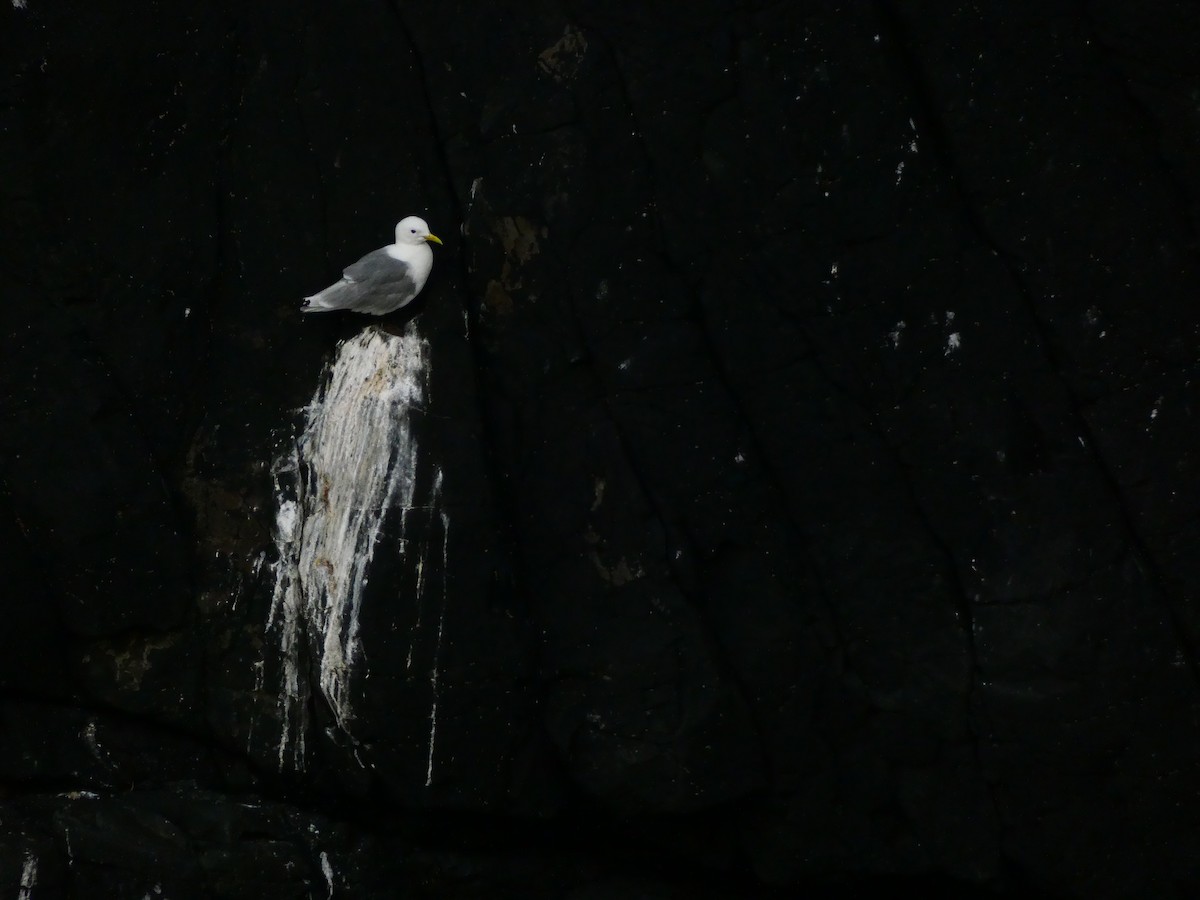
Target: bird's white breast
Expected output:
[418,256]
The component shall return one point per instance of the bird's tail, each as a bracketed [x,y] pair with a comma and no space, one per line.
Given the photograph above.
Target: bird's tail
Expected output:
[323,301]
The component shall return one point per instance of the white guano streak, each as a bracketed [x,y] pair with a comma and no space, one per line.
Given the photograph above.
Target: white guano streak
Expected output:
[355,459]
[437,647]
[28,876]
[327,871]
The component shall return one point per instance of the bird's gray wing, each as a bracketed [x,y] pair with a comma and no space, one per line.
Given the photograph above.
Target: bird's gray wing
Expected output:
[381,283]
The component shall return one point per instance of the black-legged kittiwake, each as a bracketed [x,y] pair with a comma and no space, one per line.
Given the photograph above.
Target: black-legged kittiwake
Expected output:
[385,279]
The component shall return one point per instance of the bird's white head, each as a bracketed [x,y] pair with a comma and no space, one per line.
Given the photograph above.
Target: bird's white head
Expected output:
[414,230]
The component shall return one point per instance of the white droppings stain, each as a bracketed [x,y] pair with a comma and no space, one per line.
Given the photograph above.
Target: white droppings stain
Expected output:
[623,365]
[437,647]
[899,171]
[416,629]
[187,311]
[895,333]
[430,508]
[285,615]
[287,519]
[89,737]
[355,460]
[833,270]
[327,871]
[28,872]
[20,4]
[464,227]
[954,339]
[1154,411]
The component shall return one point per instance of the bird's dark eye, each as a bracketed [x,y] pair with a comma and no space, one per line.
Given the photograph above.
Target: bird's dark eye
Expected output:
[412,231]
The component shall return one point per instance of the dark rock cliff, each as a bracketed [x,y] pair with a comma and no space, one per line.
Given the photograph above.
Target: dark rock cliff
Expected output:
[786,482]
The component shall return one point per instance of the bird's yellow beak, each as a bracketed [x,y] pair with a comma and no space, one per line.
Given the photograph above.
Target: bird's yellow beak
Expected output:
[434,238]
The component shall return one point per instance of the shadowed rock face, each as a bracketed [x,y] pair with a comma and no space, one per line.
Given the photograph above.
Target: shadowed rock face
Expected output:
[786,480]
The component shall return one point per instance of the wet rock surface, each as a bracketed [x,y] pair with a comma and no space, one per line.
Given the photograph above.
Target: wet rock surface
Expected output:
[785,483]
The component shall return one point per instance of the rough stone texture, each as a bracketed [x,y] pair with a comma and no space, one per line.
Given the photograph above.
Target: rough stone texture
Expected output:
[804,485]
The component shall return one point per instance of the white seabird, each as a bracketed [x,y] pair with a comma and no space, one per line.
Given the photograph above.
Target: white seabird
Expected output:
[385,279]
